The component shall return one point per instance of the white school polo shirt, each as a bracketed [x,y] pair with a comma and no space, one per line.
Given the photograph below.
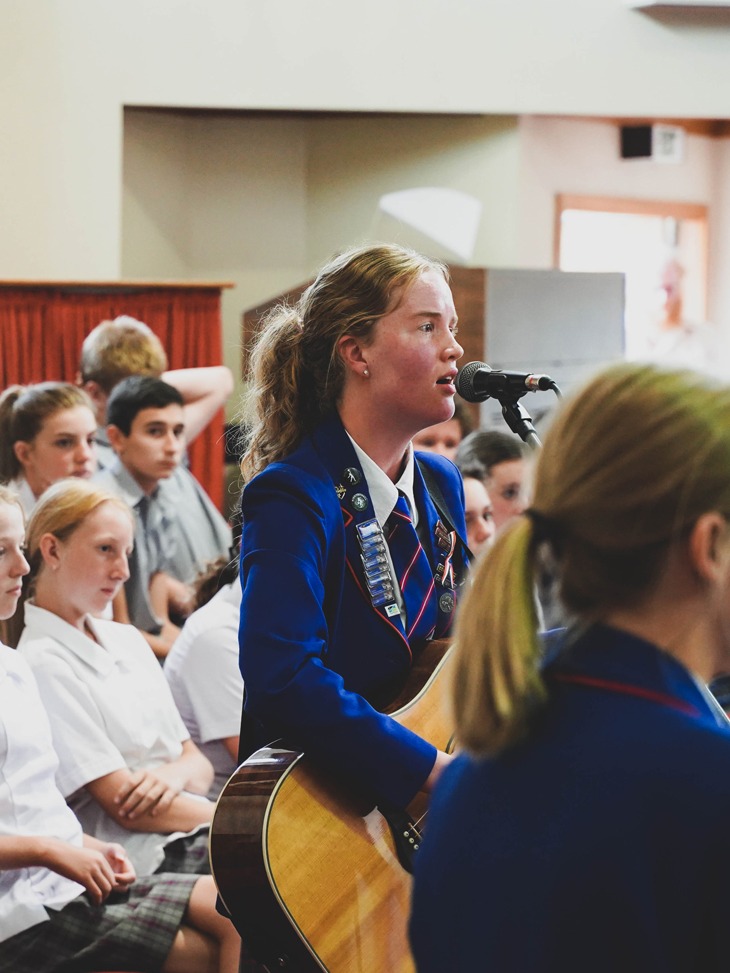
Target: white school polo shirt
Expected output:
[203,674]
[25,495]
[30,802]
[110,707]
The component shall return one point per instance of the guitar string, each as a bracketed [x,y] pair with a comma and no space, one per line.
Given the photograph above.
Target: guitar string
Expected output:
[417,825]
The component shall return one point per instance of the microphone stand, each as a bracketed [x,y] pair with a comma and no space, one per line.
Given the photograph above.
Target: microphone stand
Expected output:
[519,419]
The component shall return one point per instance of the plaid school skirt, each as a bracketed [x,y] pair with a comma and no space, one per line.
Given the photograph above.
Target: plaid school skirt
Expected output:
[135,932]
[187,854]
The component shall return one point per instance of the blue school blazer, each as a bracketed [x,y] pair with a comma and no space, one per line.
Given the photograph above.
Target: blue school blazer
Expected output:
[316,656]
[599,843]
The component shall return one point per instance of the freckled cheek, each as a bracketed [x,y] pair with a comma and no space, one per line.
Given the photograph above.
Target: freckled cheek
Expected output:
[414,368]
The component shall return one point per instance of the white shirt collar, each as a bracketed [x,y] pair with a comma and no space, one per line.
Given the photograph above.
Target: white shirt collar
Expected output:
[127,487]
[718,712]
[27,498]
[41,622]
[383,492]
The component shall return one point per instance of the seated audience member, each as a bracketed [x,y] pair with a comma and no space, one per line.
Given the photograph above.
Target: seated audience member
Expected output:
[480,526]
[585,826]
[127,765]
[503,457]
[444,437]
[122,348]
[46,434]
[147,430]
[69,901]
[118,349]
[202,670]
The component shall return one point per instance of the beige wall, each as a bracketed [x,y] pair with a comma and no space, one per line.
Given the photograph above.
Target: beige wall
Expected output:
[156,178]
[60,146]
[563,155]
[262,201]
[216,198]
[68,68]
[353,162]
[719,276]
[502,56]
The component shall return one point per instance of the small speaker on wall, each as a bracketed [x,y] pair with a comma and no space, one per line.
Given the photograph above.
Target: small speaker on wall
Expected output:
[635,141]
[660,142]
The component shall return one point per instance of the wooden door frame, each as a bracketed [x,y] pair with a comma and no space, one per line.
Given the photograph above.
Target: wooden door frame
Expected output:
[636,207]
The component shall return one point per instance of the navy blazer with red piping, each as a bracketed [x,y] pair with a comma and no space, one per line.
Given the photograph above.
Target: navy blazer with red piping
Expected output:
[600,842]
[316,656]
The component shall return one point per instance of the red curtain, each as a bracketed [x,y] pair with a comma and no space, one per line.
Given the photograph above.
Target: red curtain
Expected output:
[42,328]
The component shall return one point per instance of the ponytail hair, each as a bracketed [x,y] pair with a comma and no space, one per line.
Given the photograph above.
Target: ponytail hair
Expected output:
[628,466]
[496,681]
[9,463]
[23,413]
[296,375]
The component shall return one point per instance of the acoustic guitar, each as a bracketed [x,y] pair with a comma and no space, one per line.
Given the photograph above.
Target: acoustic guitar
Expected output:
[314,875]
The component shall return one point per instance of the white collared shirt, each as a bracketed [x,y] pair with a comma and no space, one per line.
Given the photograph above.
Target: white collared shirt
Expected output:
[110,707]
[30,801]
[27,498]
[384,496]
[203,673]
[721,717]
[383,492]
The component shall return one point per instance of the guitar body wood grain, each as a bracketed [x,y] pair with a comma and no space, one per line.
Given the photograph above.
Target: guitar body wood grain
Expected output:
[307,867]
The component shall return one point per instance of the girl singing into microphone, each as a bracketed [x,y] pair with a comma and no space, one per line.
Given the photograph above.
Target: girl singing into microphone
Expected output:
[329,628]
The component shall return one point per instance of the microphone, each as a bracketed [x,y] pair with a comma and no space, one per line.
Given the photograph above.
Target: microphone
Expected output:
[477,382]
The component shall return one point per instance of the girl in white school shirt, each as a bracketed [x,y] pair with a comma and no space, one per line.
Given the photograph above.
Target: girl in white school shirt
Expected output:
[202,670]
[46,434]
[68,901]
[127,765]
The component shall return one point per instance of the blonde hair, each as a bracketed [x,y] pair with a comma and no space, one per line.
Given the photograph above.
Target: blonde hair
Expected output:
[117,349]
[296,375]
[23,413]
[11,498]
[61,510]
[627,467]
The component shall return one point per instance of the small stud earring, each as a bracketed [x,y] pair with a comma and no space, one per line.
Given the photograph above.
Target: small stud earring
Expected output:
[365,373]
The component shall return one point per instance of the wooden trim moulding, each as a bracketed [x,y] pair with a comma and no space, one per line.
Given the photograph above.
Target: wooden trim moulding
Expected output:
[119,285]
[612,204]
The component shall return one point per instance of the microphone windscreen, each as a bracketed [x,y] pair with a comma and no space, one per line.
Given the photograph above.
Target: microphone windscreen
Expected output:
[465,380]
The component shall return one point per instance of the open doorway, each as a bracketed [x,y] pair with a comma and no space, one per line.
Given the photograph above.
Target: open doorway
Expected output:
[661,248]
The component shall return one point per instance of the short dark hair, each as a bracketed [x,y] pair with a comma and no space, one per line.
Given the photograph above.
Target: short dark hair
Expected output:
[489,447]
[473,469]
[130,396]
